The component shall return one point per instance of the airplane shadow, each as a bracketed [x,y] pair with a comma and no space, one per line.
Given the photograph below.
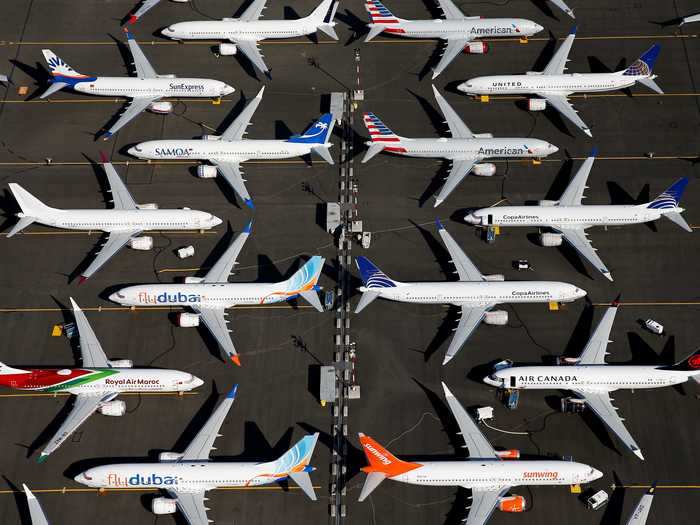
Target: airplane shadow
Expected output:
[20,501]
[544,6]
[357,25]
[8,209]
[38,73]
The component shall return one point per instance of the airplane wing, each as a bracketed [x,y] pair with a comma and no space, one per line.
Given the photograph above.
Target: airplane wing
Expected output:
[483,504]
[477,444]
[595,351]
[251,50]
[115,242]
[136,107]
[203,442]
[577,238]
[91,352]
[641,512]
[121,197]
[145,6]
[557,65]
[220,272]
[465,267]
[563,106]
[232,174]
[573,194]
[217,324]
[236,130]
[562,5]
[191,506]
[453,48]
[36,513]
[458,129]
[471,317]
[460,169]
[450,10]
[141,64]
[254,11]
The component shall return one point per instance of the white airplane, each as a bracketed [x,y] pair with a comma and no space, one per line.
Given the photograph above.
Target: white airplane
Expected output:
[552,86]
[145,90]
[689,19]
[36,513]
[96,384]
[146,6]
[186,477]
[592,380]
[123,223]
[465,149]
[570,219]
[228,150]
[459,32]
[245,32]
[562,5]
[209,296]
[474,293]
[641,512]
[490,474]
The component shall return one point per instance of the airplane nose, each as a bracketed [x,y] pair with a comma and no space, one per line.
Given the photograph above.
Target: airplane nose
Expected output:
[472,219]
[80,478]
[216,221]
[537,28]
[114,298]
[462,87]
[580,293]
[132,151]
[227,90]
[597,474]
[552,148]
[198,382]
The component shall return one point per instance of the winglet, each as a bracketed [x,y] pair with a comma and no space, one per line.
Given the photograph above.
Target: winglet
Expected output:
[236,360]
[594,152]
[439,225]
[103,157]
[652,489]
[107,135]
[28,492]
[133,19]
[616,301]
[573,31]
[248,227]
[82,280]
[75,306]
[129,34]
[232,392]
[249,203]
[42,458]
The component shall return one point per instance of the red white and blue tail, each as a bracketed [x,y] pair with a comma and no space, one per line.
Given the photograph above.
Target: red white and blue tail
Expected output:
[381,20]
[382,138]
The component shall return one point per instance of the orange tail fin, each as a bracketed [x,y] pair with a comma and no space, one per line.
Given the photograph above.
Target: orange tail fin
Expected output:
[382,461]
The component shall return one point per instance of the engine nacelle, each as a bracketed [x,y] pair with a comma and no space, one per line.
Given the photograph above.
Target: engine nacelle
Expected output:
[187,320]
[496,317]
[476,48]
[227,50]
[167,75]
[204,171]
[495,277]
[113,408]
[484,169]
[121,363]
[163,506]
[551,239]
[193,280]
[531,73]
[211,137]
[536,104]
[143,243]
[147,206]
[162,108]
[483,135]
[547,203]
[170,456]
[513,453]
[512,503]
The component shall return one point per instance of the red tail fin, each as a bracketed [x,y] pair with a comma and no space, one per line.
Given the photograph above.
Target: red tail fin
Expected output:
[381,460]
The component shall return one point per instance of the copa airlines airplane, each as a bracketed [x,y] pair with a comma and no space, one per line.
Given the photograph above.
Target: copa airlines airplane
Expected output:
[186,477]
[228,150]
[36,513]
[245,32]
[570,219]
[145,90]
[459,32]
[592,380]
[123,223]
[474,293]
[490,474]
[96,385]
[553,87]
[465,149]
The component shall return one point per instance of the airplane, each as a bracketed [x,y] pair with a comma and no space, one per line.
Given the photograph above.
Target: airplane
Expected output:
[641,511]
[96,384]
[570,219]
[474,293]
[209,296]
[123,223]
[146,6]
[228,150]
[562,5]
[490,474]
[36,513]
[465,149]
[186,477]
[592,379]
[689,19]
[244,33]
[552,86]
[145,90]
[458,31]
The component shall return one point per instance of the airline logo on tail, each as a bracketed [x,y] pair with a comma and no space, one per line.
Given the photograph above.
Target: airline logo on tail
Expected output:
[317,133]
[383,461]
[59,68]
[372,276]
[379,13]
[643,66]
[378,131]
[304,280]
[671,198]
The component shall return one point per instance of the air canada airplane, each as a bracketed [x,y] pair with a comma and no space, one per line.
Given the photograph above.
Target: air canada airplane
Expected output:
[592,379]
[490,474]
[474,293]
[570,219]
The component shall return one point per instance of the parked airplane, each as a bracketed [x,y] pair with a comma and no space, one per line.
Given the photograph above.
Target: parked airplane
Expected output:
[245,32]
[689,19]
[570,219]
[562,5]
[123,223]
[641,512]
[458,31]
[592,380]
[186,477]
[474,293]
[465,149]
[36,513]
[228,150]
[553,87]
[490,474]
[145,90]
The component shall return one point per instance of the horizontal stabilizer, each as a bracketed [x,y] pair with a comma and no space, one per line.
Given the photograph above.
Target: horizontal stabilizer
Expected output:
[374,31]
[304,481]
[312,298]
[367,297]
[324,153]
[329,30]
[648,82]
[53,88]
[21,225]
[678,219]
[373,150]
[371,482]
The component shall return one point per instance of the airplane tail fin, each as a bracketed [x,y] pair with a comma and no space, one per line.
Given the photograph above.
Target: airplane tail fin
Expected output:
[32,208]
[62,74]
[382,138]
[304,282]
[373,279]
[644,66]
[323,15]
[670,200]
[295,464]
[382,464]
[381,20]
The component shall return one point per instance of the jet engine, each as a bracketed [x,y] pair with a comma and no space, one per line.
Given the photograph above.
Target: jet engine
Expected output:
[508,454]
[495,277]
[113,408]
[170,456]
[187,320]
[204,171]
[147,206]
[485,169]
[536,104]
[162,108]
[551,239]
[226,50]
[121,363]
[496,317]
[476,48]
[143,243]
[193,280]
[547,203]
[163,506]
[512,503]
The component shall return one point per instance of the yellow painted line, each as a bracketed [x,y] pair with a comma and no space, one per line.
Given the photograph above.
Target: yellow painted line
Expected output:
[592,95]
[537,39]
[60,394]
[137,308]
[159,43]
[657,486]
[653,303]
[66,490]
[138,162]
[89,233]
[107,101]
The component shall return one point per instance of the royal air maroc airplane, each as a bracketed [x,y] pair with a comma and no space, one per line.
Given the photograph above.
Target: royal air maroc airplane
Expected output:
[186,477]
[476,294]
[490,474]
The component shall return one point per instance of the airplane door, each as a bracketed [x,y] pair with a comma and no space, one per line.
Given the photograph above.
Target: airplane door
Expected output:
[489,219]
[512,381]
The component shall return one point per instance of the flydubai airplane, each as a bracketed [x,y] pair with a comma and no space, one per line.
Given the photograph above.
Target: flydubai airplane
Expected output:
[145,90]
[465,149]
[570,219]
[186,477]
[245,32]
[209,296]
[228,150]
[553,87]
[490,474]
[96,384]
[123,223]
[474,293]
[36,513]
[592,380]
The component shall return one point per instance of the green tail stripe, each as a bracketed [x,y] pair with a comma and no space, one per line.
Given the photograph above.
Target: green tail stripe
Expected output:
[96,376]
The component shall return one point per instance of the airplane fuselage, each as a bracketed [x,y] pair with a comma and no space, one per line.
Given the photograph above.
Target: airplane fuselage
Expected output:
[559,84]
[133,87]
[480,148]
[235,29]
[221,150]
[468,28]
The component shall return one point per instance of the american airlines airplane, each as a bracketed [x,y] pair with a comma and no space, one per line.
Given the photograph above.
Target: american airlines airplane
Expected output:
[592,380]
[474,293]
[186,477]
[96,384]
[465,149]
[459,32]
[553,87]
[570,219]
[123,223]
[228,150]
[145,90]
[211,295]
[490,474]
[245,32]
[36,513]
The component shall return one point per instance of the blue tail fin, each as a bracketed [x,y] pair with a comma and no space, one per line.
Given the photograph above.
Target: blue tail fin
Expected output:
[317,132]
[671,198]
[644,65]
[373,277]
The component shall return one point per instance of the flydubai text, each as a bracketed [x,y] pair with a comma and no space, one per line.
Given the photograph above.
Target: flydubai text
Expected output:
[169,298]
[115,480]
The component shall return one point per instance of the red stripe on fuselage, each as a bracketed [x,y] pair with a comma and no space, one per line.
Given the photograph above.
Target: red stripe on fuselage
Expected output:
[41,378]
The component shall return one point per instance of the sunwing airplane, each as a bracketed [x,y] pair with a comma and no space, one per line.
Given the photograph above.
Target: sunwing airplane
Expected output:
[228,150]
[96,385]
[465,149]
[490,474]
[474,293]
[145,90]
[245,32]
[123,223]
[186,477]
[36,513]
[458,31]
[592,380]
[570,219]
[553,87]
